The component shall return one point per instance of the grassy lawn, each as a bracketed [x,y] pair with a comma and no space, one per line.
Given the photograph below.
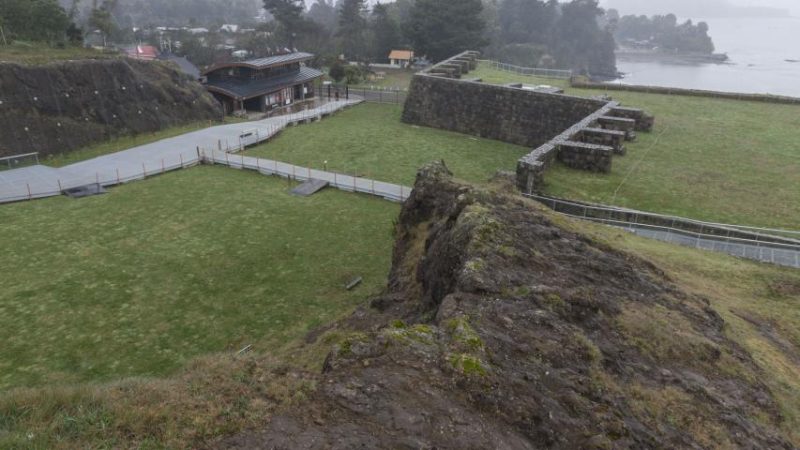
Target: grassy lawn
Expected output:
[712,159]
[393,78]
[371,141]
[36,53]
[141,280]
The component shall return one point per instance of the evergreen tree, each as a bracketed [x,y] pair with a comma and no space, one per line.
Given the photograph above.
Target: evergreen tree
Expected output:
[289,15]
[34,20]
[324,13]
[442,28]
[385,32]
[352,28]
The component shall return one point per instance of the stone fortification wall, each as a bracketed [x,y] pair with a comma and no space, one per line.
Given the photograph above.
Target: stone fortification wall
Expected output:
[495,112]
[59,107]
[582,133]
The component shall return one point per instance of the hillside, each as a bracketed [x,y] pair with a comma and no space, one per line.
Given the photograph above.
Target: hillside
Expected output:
[503,329]
[59,107]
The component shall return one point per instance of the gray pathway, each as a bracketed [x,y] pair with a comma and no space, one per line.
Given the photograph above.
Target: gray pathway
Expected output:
[145,160]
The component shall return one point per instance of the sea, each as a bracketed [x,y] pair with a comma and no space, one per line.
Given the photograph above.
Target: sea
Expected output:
[760,54]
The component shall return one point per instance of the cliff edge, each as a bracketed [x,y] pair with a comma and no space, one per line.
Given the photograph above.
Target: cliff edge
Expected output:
[503,329]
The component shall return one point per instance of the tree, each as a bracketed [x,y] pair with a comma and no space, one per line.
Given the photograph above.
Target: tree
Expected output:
[323,13]
[442,28]
[385,32]
[580,43]
[102,20]
[289,15]
[34,20]
[352,28]
[337,71]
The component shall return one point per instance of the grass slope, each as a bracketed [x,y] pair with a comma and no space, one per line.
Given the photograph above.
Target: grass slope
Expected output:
[36,53]
[221,394]
[139,281]
[760,304]
[371,141]
[712,159]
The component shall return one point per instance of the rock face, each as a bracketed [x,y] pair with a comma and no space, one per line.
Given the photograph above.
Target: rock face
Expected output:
[64,106]
[501,329]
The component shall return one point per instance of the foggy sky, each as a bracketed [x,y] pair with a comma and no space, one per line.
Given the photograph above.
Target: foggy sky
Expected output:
[696,8]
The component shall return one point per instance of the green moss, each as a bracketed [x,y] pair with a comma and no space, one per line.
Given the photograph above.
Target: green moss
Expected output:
[554,301]
[463,334]
[346,345]
[422,334]
[468,364]
[475,265]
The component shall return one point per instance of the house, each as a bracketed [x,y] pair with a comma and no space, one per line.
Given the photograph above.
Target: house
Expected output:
[262,84]
[401,58]
[142,52]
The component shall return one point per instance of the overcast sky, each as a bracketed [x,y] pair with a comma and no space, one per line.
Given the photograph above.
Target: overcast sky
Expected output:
[694,7]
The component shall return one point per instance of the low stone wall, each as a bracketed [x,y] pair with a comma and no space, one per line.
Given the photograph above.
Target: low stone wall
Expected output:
[686,92]
[583,156]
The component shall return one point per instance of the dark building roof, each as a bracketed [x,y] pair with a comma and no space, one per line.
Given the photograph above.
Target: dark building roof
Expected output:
[245,89]
[184,64]
[264,63]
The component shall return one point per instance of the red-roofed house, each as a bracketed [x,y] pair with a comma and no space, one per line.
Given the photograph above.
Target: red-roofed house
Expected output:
[143,52]
[402,58]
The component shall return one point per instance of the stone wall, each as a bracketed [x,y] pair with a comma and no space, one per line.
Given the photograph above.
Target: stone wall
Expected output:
[495,112]
[59,107]
[580,132]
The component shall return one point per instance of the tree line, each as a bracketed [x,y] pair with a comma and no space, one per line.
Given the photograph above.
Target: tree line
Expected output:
[37,21]
[663,32]
[525,32]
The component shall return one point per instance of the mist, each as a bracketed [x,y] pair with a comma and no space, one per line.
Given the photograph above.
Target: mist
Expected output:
[707,8]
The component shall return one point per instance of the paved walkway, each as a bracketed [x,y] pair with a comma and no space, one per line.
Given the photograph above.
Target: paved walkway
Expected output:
[158,157]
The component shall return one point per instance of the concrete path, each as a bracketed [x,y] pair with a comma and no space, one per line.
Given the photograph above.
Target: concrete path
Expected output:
[146,160]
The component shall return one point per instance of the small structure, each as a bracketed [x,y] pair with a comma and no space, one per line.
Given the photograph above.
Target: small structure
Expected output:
[259,85]
[142,52]
[401,58]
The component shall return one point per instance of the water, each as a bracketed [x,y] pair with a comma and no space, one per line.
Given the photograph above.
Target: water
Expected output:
[758,50]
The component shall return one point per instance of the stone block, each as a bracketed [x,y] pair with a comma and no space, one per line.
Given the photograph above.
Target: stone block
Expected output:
[583,156]
[612,138]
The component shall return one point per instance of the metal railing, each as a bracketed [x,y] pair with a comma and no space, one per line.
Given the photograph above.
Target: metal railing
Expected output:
[344,182]
[529,71]
[761,244]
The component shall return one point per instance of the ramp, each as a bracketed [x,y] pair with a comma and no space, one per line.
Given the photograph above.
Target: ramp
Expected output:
[310,187]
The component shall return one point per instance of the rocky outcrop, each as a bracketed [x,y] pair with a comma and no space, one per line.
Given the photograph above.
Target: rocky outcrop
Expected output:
[60,107]
[501,329]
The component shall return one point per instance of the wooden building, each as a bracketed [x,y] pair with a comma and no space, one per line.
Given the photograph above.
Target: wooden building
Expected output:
[262,84]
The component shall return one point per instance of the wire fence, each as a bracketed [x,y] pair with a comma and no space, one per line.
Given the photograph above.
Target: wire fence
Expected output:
[371,94]
[775,246]
[529,71]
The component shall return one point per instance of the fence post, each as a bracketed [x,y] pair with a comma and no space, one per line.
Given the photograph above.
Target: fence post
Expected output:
[118,181]
[162,165]
[144,170]
[60,189]
[181,156]
[30,196]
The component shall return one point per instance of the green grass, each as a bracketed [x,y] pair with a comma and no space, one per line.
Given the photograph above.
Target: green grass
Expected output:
[141,280]
[394,78]
[711,159]
[126,142]
[37,53]
[371,141]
